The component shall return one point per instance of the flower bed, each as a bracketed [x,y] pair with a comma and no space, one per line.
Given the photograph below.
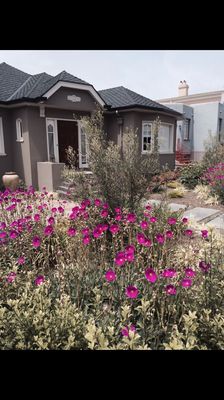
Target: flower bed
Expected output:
[103,279]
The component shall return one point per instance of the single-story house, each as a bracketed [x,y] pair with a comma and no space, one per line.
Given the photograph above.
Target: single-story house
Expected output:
[40,117]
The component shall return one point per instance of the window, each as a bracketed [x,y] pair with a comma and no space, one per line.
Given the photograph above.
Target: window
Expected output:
[187,129]
[50,140]
[165,138]
[83,156]
[146,137]
[2,146]
[19,130]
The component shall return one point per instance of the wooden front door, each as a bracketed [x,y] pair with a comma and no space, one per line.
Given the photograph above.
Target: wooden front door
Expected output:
[67,136]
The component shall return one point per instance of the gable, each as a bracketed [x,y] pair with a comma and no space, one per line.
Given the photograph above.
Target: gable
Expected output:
[72,99]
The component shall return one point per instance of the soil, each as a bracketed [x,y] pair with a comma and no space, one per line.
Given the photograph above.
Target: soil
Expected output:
[189,199]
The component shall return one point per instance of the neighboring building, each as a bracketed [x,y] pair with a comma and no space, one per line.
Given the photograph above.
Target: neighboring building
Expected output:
[203,115]
[40,117]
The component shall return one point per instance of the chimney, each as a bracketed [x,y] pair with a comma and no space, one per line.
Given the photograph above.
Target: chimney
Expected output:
[183,89]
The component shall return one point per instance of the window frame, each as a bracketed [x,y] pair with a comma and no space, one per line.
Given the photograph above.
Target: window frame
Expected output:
[80,130]
[171,149]
[187,124]
[2,142]
[146,123]
[19,130]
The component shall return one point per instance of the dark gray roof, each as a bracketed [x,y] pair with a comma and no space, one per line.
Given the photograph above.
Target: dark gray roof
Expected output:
[121,97]
[16,84]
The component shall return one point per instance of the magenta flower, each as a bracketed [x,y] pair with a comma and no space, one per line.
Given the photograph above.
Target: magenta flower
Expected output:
[125,331]
[170,289]
[3,235]
[153,219]
[188,232]
[172,221]
[160,238]
[51,220]
[86,239]
[204,233]
[147,243]
[48,230]
[118,210]
[2,225]
[130,248]
[21,260]
[97,202]
[97,232]
[11,277]
[114,229]
[132,292]
[60,210]
[131,217]
[105,206]
[186,282]
[204,266]
[169,234]
[36,241]
[54,210]
[120,258]
[150,275]
[148,207]
[169,273]
[129,256]
[71,231]
[39,280]
[85,231]
[13,234]
[104,213]
[140,238]
[189,272]
[110,275]
[118,217]
[185,220]
[144,224]
[36,217]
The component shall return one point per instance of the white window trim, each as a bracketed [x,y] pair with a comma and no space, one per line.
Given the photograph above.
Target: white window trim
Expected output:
[144,123]
[2,144]
[160,152]
[56,145]
[19,137]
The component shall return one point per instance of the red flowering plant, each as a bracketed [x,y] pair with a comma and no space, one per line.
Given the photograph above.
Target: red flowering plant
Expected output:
[214,177]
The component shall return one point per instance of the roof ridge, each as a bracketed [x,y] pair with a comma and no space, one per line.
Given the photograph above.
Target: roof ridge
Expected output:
[17,90]
[35,83]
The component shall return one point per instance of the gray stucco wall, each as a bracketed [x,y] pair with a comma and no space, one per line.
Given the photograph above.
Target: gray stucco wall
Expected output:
[133,120]
[59,100]
[205,122]
[6,162]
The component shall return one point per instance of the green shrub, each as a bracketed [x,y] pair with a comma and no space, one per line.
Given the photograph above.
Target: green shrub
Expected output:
[191,174]
[214,152]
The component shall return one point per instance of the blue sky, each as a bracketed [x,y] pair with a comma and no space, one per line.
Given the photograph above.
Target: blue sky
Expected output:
[154,74]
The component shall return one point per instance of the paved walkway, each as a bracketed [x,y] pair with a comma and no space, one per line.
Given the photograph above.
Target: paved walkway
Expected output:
[203,216]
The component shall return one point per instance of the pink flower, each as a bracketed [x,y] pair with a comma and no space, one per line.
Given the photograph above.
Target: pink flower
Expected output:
[186,282]
[169,273]
[144,224]
[2,225]
[130,248]
[3,235]
[129,256]
[39,280]
[97,202]
[172,221]
[71,231]
[13,234]
[132,292]
[118,210]
[153,219]
[60,210]
[125,331]
[120,258]
[54,210]
[86,239]
[160,238]
[36,241]
[118,217]
[185,220]
[104,213]
[204,233]
[148,207]
[170,289]
[204,266]
[105,206]
[188,232]
[36,217]
[131,217]
[48,230]
[11,277]
[189,273]
[169,234]
[51,220]
[150,275]
[21,260]
[85,231]
[148,243]
[114,229]
[97,232]
[110,275]
[140,238]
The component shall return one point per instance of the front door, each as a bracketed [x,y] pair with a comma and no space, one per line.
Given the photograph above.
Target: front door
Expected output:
[67,136]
